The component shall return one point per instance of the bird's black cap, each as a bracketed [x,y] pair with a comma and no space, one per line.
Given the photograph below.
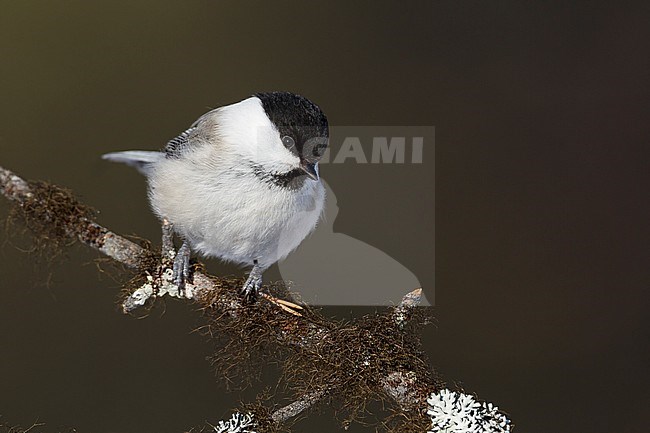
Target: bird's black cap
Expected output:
[297,117]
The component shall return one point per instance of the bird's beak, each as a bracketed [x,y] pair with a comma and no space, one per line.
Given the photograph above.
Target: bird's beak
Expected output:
[310,169]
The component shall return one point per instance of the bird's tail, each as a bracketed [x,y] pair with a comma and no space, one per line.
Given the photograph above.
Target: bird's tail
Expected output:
[142,160]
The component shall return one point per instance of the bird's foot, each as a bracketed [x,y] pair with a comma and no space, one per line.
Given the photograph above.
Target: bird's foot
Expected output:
[182,270]
[253,284]
[251,287]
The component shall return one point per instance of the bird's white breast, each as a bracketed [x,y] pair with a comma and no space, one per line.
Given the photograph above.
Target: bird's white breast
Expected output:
[217,204]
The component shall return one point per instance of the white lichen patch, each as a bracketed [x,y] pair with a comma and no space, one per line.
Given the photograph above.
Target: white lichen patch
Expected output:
[453,412]
[238,423]
[167,286]
[140,296]
[156,287]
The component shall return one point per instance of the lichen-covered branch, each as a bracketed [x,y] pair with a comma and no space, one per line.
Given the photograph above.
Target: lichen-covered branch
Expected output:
[374,358]
[35,198]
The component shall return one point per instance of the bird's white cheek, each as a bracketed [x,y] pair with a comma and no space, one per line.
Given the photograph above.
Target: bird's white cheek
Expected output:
[249,133]
[272,154]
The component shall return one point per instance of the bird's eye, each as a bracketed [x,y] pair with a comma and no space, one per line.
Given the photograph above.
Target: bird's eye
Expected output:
[288,142]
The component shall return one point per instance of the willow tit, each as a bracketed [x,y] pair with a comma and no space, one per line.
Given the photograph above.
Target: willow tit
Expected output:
[242,183]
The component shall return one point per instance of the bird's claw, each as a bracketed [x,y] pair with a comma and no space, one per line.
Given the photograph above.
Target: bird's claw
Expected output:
[251,287]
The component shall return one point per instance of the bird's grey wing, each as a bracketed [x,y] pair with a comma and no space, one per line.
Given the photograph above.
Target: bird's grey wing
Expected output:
[192,136]
[177,145]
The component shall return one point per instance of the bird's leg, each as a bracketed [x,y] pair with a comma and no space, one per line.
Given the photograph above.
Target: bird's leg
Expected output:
[167,239]
[253,283]
[181,273]
[252,286]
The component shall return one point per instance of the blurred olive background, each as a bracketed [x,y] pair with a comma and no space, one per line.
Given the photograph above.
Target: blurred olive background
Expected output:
[541,204]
